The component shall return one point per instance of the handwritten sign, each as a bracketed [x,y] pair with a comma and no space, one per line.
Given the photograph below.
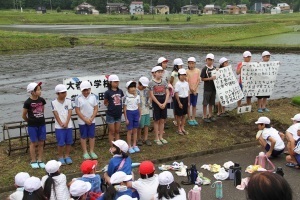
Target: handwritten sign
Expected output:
[98,87]
[258,79]
[244,109]
[227,86]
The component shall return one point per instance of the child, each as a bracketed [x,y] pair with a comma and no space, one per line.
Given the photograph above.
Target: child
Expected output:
[262,100]
[209,94]
[163,62]
[247,58]
[143,92]
[55,183]
[113,100]
[62,111]
[33,189]
[293,160]
[182,100]
[33,114]
[292,136]
[193,78]
[270,138]
[86,107]
[20,179]
[120,160]
[79,190]
[159,94]
[132,113]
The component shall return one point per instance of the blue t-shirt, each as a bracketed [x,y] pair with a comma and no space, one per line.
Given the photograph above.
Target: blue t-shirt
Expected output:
[118,194]
[114,98]
[95,182]
[114,165]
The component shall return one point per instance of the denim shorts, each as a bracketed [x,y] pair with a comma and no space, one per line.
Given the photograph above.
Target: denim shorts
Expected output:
[37,133]
[87,131]
[64,136]
[112,120]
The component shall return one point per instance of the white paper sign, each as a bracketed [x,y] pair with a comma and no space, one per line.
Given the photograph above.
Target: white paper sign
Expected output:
[227,86]
[98,87]
[258,79]
[244,109]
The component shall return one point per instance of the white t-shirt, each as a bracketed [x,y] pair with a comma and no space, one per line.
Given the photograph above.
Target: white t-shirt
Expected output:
[182,87]
[144,96]
[63,110]
[146,188]
[132,102]
[86,105]
[273,133]
[181,196]
[61,189]
[17,195]
[293,130]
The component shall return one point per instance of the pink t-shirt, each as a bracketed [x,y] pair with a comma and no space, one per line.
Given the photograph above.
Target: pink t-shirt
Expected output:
[192,77]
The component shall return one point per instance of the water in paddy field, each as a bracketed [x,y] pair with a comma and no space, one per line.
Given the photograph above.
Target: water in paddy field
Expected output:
[51,66]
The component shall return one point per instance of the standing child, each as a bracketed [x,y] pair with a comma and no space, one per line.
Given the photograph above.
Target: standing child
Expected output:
[209,94]
[20,179]
[62,111]
[193,78]
[132,113]
[143,91]
[182,100]
[86,107]
[113,101]
[159,94]
[33,114]
[163,62]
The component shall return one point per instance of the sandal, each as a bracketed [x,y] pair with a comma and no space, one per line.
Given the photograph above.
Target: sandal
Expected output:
[68,160]
[185,132]
[86,156]
[158,142]
[93,156]
[41,164]
[147,142]
[34,165]
[62,160]
[292,165]
[164,141]
[179,133]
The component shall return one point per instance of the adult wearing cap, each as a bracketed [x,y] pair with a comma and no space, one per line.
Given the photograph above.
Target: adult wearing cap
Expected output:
[79,190]
[262,100]
[247,58]
[20,179]
[33,189]
[163,62]
[33,114]
[270,139]
[292,138]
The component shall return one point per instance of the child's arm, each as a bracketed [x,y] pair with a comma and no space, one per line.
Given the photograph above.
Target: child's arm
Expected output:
[171,80]
[239,68]
[178,100]
[167,97]
[94,114]
[154,98]
[24,114]
[80,115]
[105,102]
[55,113]
[68,118]
[125,114]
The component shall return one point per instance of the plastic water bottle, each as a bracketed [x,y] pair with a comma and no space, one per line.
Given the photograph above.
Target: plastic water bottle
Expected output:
[279,171]
[219,190]
[262,159]
[237,174]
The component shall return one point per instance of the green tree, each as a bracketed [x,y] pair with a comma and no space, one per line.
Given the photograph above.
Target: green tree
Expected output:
[146,7]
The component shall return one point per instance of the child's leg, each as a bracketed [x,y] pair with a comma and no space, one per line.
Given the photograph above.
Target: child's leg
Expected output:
[60,150]
[204,111]
[259,103]
[83,145]
[210,107]
[183,123]
[146,130]
[194,112]
[67,150]
[92,144]
[139,134]
[179,124]
[223,109]
[129,132]
[134,133]
[219,108]
[40,150]
[161,127]
[248,101]
[156,130]
[264,103]
[32,149]
[111,133]
[117,130]
[262,142]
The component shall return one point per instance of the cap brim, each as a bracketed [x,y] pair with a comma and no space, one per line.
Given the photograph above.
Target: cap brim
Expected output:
[84,88]
[39,83]
[258,122]
[128,178]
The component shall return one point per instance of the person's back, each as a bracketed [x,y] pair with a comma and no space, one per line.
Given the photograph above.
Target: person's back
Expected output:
[60,190]
[146,187]
[95,181]
[115,162]
[272,132]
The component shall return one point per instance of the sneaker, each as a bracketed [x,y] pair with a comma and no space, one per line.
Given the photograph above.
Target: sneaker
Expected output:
[93,156]
[41,164]
[266,110]
[260,110]
[86,156]
[164,141]
[212,119]
[34,165]
[62,160]
[191,122]
[136,149]
[195,123]
[68,160]
[140,143]
[131,150]
[206,120]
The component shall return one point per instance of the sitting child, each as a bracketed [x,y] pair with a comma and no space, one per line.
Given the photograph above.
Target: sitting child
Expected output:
[33,189]
[79,190]
[20,178]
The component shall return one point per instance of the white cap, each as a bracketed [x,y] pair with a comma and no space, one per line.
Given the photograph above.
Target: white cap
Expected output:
[119,177]
[181,71]
[32,184]
[79,188]
[130,82]
[161,60]
[178,61]
[122,145]
[32,85]
[52,166]
[247,54]
[20,178]
[85,85]
[113,77]
[210,56]
[60,88]
[191,59]
[157,68]
[265,53]
[222,60]
[126,197]
[144,81]
[263,120]
[165,178]
[296,118]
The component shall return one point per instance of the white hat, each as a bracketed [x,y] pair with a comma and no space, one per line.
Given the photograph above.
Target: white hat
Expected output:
[144,81]
[247,54]
[20,178]
[113,77]
[85,85]
[161,60]
[119,177]
[32,86]
[52,166]
[122,145]
[165,178]
[191,59]
[32,184]
[222,60]
[178,61]
[210,56]
[60,88]
[79,188]
[157,68]
[126,197]
[263,120]
[181,71]
[265,53]
[296,118]
[130,82]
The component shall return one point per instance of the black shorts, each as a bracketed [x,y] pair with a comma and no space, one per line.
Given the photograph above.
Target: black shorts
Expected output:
[181,111]
[159,113]
[260,97]
[209,98]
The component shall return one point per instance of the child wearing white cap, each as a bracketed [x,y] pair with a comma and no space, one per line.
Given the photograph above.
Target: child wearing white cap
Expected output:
[79,190]
[33,189]
[163,62]
[33,114]
[20,179]
[62,111]
[86,107]
[292,137]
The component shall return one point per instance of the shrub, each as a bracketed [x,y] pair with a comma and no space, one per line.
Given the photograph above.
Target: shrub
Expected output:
[132,17]
[58,9]
[188,18]
[167,19]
